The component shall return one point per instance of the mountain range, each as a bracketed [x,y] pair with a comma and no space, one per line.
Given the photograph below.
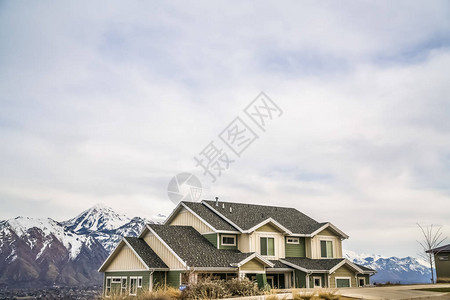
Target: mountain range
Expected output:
[44,252]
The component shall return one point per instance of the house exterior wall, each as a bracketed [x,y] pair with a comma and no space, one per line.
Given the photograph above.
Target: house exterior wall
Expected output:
[125,259]
[366,278]
[255,243]
[299,279]
[163,252]
[325,235]
[442,266]
[244,242]
[253,266]
[343,272]
[174,278]
[186,218]
[212,238]
[322,276]
[295,250]
[268,228]
[145,281]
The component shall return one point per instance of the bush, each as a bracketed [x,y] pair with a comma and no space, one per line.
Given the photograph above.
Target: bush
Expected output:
[328,295]
[302,296]
[215,289]
[242,287]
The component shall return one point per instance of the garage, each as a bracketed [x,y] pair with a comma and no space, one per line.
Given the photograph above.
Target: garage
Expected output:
[343,282]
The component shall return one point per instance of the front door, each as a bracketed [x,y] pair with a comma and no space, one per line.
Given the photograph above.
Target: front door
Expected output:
[362,282]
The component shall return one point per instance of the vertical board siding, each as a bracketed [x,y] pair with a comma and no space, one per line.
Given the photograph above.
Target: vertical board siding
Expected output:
[295,250]
[212,238]
[163,252]
[343,271]
[186,218]
[125,259]
[243,242]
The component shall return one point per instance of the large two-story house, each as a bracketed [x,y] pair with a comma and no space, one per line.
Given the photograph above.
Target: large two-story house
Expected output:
[276,246]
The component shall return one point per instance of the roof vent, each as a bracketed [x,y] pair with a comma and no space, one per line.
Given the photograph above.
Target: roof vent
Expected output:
[223,205]
[217,201]
[231,210]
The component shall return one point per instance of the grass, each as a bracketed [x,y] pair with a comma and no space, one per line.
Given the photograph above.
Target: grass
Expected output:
[439,290]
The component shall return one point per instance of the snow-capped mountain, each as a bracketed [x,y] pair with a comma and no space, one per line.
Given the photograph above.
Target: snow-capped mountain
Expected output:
[393,269]
[43,252]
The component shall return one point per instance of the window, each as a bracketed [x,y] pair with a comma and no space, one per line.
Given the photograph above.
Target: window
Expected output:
[139,282]
[443,257]
[228,240]
[362,281]
[124,285]
[326,249]
[293,240]
[133,286]
[108,286]
[343,282]
[267,246]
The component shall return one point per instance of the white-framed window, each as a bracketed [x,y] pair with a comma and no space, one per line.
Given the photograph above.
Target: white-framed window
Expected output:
[139,282]
[326,249]
[291,240]
[228,240]
[108,287]
[267,246]
[317,281]
[443,257]
[124,286]
[133,286]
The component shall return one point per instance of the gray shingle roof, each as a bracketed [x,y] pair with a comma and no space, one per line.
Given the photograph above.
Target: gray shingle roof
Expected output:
[365,268]
[314,264]
[247,216]
[445,248]
[195,249]
[209,216]
[279,265]
[146,253]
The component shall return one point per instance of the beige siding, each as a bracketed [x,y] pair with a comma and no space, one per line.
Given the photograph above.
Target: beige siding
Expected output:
[163,252]
[327,231]
[244,242]
[125,259]
[252,265]
[315,246]
[308,247]
[343,271]
[255,245]
[186,218]
[268,228]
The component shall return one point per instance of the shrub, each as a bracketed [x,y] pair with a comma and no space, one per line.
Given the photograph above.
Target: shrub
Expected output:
[206,289]
[302,296]
[242,287]
[328,295]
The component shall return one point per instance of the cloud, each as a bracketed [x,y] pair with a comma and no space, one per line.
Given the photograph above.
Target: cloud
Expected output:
[106,102]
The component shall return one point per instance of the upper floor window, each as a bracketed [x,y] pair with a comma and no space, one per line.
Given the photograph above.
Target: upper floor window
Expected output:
[228,240]
[267,246]
[293,240]
[326,249]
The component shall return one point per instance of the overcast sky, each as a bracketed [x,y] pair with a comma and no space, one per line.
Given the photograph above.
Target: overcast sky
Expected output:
[104,102]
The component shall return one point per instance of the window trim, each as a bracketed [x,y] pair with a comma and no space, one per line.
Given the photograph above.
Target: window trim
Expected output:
[139,282]
[359,281]
[227,236]
[293,242]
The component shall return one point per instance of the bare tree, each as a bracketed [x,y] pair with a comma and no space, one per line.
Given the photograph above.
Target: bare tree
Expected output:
[432,238]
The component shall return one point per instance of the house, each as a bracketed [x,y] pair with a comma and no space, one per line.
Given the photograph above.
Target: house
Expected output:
[276,246]
[442,262]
